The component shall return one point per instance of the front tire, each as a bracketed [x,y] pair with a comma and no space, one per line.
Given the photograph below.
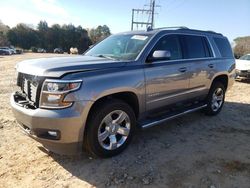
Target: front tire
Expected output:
[215,99]
[110,128]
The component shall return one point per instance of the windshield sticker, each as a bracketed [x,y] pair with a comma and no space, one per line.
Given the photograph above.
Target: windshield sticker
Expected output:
[139,37]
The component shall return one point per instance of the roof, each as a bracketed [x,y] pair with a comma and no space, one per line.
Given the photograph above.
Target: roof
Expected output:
[182,29]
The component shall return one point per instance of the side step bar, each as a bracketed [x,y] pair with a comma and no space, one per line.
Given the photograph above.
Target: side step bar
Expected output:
[159,121]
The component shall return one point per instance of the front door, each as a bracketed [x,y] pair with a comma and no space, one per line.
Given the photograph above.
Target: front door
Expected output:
[166,80]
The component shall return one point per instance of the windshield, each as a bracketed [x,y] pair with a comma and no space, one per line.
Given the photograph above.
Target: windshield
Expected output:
[120,47]
[245,57]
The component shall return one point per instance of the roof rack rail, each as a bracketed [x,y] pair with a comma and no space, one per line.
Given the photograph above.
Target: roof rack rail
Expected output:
[183,28]
[209,31]
[174,27]
[149,28]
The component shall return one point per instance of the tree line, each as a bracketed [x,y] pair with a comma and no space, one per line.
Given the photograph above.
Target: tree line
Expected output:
[242,46]
[67,36]
[49,38]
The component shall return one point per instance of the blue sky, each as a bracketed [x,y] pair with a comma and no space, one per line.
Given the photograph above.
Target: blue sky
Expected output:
[230,17]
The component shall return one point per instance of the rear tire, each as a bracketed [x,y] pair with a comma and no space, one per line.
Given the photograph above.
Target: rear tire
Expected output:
[111,126]
[215,99]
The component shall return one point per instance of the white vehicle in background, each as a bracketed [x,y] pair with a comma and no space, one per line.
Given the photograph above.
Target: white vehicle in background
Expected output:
[73,50]
[243,66]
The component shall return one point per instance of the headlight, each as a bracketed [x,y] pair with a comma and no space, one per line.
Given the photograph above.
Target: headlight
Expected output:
[54,91]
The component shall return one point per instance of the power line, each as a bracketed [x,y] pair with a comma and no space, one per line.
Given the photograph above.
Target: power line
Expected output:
[141,12]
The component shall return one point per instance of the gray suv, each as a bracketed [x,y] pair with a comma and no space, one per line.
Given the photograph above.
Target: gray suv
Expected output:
[129,80]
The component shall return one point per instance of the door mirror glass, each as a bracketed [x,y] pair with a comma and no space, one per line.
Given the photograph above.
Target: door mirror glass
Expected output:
[160,55]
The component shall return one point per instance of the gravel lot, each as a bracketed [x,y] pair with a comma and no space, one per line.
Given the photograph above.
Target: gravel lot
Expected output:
[192,151]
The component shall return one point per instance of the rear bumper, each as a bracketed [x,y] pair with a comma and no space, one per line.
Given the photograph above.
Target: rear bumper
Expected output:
[69,123]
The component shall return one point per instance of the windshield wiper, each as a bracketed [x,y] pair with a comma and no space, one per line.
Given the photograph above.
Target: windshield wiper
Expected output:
[105,56]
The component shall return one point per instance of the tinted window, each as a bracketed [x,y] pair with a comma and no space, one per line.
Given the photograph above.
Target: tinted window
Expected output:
[196,47]
[224,47]
[171,44]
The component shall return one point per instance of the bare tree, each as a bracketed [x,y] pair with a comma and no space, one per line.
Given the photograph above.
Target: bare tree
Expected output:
[242,46]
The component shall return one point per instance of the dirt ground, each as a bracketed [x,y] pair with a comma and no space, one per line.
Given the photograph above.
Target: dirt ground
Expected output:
[194,151]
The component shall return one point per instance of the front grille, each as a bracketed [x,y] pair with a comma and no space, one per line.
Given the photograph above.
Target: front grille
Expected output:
[30,86]
[244,71]
[30,89]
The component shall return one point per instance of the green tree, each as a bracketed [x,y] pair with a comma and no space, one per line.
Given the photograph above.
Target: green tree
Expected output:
[23,36]
[49,38]
[84,40]
[43,30]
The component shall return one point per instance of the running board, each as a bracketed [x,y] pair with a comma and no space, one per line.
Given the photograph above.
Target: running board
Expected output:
[159,121]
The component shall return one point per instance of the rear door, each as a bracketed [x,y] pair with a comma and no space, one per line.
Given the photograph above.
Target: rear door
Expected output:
[198,52]
[166,80]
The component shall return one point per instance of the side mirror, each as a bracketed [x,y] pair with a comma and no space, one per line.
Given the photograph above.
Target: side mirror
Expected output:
[159,55]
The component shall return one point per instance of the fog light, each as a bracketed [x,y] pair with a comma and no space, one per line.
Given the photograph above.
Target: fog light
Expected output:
[52,133]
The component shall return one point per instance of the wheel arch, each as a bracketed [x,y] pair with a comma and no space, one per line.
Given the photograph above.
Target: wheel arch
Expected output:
[223,78]
[128,97]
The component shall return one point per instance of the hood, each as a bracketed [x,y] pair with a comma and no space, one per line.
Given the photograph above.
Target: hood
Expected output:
[242,64]
[58,66]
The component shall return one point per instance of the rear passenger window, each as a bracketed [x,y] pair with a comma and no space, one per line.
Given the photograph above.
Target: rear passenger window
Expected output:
[224,47]
[196,47]
[170,43]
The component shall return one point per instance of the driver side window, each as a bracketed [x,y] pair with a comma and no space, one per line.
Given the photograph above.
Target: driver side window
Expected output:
[170,43]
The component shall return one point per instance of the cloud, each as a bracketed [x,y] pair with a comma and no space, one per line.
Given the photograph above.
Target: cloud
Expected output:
[32,11]
[20,16]
[51,7]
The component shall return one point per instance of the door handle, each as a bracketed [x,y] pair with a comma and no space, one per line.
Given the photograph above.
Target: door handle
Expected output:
[211,66]
[183,69]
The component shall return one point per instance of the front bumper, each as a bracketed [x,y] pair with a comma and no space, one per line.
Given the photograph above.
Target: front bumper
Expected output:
[69,123]
[243,73]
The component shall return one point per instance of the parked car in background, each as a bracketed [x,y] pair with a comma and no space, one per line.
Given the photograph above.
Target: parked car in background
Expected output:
[12,51]
[41,50]
[5,52]
[19,51]
[130,80]
[243,66]
[58,51]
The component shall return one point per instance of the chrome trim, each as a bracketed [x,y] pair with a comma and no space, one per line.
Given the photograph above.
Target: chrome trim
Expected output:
[211,47]
[62,81]
[201,35]
[178,60]
[55,107]
[172,117]
[175,95]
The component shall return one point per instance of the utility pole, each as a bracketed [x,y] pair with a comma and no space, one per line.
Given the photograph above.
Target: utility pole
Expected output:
[150,12]
[153,13]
